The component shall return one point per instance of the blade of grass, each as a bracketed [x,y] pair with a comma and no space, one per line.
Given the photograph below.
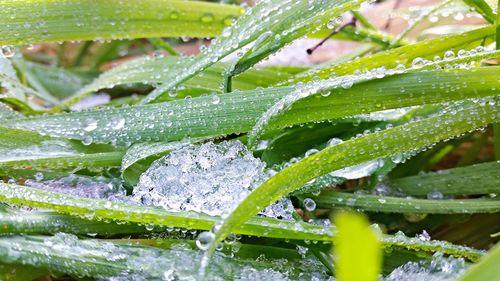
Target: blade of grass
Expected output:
[237,112]
[117,211]
[417,21]
[294,19]
[49,21]
[482,8]
[43,222]
[403,55]
[476,179]
[386,204]
[150,70]
[496,126]
[24,149]
[258,226]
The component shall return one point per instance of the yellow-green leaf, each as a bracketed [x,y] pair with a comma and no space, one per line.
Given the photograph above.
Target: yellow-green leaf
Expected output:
[356,244]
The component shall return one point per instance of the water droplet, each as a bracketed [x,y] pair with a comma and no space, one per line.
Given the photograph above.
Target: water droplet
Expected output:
[39,176]
[449,55]
[7,51]
[334,141]
[87,140]
[435,195]
[90,125]
[117,123]
[215,99]
[204,239]
[309,204]
[207,18]
[174,15]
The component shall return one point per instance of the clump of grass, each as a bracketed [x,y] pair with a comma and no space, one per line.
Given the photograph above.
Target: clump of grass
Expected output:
[403,129]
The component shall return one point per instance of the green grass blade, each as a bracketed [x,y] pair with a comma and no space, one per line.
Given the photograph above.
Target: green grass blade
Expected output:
[324,87]
[476,179]
[116,211]
[24,22]
[496,127]
[486,269]
[24,149]
[482,8]
[403,55]
[237,112]
[294,19]
[43,222]
[380,144]
[149,70]
[386,204]
[356,243]
[92,209]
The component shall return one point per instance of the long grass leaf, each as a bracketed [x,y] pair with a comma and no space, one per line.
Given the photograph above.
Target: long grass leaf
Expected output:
[279,21]
[404,55]
[93,209]
[475,179]
[24,22]
[387,204]
[238,112]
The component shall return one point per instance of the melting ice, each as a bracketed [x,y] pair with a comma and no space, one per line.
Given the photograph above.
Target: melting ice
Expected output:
[209,178]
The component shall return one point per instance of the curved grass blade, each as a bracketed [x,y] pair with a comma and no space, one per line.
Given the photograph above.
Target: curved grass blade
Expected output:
[325,86]
[151,70]
[282,21]
[132,261]
[258,226]
[386,204]
[117,211]
[404,55]
[43,222]
[237,112]
[420,18]
[482,8]
[475,179]
[25,22]
[380,144]
[15,90]
[24,149]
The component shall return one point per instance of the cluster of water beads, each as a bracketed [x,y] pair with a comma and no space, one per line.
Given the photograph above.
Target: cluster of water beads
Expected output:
[208,178]
[439,268]
[46,148]
[130,262]
[180,262]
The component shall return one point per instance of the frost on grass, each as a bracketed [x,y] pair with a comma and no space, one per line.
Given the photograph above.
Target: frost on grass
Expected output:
[439,268]
[208,178]
[120,261]
[81,186]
